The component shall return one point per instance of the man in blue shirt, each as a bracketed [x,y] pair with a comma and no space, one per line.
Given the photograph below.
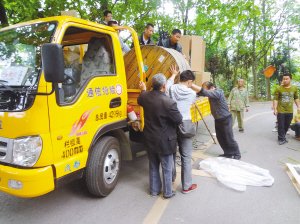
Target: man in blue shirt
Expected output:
[223,118]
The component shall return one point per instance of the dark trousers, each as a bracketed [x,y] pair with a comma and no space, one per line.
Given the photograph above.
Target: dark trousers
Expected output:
[225,137]
[296,128]
[284,121]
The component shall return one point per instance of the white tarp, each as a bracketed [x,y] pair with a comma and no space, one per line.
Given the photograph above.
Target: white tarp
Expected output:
[236,174]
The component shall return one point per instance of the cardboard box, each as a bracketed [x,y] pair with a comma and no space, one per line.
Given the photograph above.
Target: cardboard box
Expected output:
[193,47]
[73,13]
[186,42]
[202,77]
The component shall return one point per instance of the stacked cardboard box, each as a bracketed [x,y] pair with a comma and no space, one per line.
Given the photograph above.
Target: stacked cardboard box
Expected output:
[193,47]
[202,77]
[73,13]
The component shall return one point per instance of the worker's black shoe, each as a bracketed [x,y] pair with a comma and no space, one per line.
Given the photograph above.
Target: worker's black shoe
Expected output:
[170,196]
[237,157]
[281,142]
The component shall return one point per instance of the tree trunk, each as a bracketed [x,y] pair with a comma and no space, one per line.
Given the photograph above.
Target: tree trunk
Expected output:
[236,64]
[186,17]
[3,16]
[254,62]
[185,21]
[289,49]
[254,57]
[265,62]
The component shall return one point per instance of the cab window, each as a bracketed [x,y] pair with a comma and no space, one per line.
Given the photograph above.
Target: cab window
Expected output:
[87,54]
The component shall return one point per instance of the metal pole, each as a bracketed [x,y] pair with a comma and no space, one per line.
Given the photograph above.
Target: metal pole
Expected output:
[205,123]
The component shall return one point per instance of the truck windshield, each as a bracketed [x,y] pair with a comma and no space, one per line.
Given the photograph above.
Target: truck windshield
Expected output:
[20,64]
[20,61]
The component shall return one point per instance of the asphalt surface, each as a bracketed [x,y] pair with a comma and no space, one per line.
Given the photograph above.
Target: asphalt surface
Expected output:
[211,203]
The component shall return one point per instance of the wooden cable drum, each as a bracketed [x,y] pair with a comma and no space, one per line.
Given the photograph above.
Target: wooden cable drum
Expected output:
[156,60]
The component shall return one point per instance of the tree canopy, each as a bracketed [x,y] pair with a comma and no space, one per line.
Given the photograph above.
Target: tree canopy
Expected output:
[242,36]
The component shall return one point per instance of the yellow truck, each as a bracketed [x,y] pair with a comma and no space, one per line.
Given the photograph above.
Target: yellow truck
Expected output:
[63,105]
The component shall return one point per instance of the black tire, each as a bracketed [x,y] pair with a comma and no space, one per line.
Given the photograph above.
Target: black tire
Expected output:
[103,168]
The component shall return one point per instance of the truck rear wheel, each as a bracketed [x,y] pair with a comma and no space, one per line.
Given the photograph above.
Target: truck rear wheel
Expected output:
[103,168]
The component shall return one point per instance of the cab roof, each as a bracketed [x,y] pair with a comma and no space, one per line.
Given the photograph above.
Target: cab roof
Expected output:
[59,19]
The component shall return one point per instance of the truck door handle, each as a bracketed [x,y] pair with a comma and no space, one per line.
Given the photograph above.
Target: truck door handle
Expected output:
[115,102]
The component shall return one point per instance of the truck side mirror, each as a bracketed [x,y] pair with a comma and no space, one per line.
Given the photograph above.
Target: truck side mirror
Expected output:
[53,62]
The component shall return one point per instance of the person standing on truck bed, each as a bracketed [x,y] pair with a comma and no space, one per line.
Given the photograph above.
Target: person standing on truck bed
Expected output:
[107,17]
[124,46]
[172,42]
[145,38]
[223,118]
[161,120]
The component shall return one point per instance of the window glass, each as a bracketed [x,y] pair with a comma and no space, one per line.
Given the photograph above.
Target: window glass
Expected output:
[87,55]
[20,63]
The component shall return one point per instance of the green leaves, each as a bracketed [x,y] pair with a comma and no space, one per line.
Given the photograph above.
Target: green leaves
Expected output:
[239,34]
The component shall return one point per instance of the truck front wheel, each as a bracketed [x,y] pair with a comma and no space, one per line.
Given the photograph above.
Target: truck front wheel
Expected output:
[103,168]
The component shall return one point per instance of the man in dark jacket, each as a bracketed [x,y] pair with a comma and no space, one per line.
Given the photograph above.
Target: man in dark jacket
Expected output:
[145,37]
[173,41]
[223,119]
[161,120]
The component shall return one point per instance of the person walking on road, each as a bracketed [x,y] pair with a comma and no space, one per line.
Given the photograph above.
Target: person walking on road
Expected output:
[223,118]
[284,97]
[184,96]
[161,120]
[238,101]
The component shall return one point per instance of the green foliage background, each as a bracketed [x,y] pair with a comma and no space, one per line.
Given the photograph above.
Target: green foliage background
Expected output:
[242,36]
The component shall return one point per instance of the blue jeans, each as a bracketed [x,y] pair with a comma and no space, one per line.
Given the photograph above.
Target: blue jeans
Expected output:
[185,150]
[166,162]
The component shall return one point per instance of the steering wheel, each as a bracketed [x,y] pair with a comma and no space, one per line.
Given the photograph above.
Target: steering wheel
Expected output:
[69,76]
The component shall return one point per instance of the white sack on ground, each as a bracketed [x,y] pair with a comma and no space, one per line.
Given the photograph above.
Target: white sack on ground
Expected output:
[236,174]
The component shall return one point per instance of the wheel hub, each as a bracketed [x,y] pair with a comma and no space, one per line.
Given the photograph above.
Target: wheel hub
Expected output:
[111,166]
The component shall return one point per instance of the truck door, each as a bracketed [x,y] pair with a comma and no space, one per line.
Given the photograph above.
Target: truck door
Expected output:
[92,95]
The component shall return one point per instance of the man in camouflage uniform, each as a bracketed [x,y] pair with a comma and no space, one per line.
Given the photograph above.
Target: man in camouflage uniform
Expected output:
[238,100]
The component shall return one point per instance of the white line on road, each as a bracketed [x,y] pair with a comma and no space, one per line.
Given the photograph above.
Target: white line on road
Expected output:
[258,114]
[253,116]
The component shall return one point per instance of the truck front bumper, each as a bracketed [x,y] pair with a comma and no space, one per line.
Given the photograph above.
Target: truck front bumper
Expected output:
[26,182]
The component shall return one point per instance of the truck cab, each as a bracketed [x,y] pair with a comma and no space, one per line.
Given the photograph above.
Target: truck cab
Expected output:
[69,121]
[64,98]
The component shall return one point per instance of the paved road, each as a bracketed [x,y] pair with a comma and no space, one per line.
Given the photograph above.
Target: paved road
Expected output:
[211,203]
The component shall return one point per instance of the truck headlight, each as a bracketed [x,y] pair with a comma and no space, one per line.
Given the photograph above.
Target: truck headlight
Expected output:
[26,151]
